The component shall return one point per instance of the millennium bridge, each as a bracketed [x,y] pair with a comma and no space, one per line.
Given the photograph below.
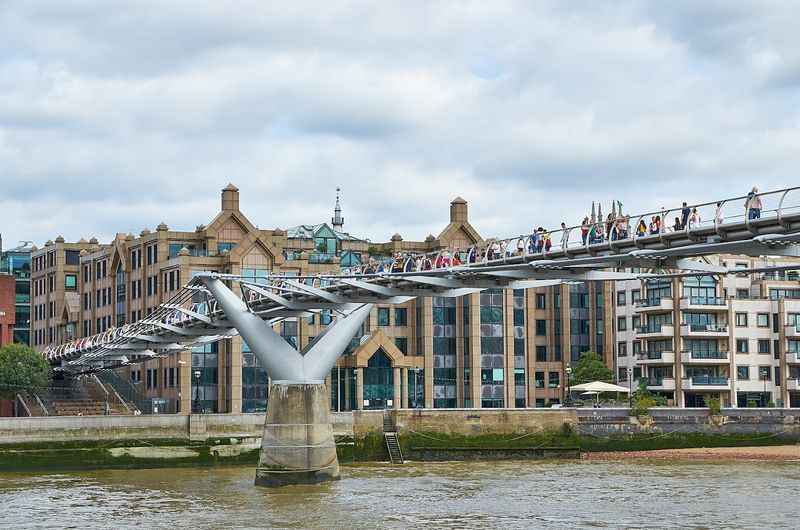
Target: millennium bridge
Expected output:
[298,443]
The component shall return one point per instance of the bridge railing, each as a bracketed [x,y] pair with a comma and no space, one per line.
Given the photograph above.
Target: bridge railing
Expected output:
[689,218]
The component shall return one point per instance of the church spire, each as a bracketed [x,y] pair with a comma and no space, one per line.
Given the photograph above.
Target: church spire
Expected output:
[337,221]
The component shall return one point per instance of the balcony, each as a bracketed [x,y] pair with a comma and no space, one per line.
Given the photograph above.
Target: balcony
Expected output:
[792,331]
[653,331]
[792,357]
[704,330]
[704,357]
[793,385]
[704,303]
[654,306]
[706,382]
[656,357]
[661,384]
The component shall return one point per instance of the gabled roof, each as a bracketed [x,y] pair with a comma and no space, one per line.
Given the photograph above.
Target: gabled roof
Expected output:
[447,234]
[310,231]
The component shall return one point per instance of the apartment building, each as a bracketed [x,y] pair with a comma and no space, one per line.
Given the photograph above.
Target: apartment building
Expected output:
[732,337]
[16,262]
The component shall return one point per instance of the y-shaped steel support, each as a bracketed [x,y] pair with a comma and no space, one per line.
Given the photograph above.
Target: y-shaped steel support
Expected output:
[282,362]
[298,445]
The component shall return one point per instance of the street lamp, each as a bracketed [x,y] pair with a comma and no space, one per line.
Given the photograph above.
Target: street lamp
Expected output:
[630,387]
[568,371]
[197,391]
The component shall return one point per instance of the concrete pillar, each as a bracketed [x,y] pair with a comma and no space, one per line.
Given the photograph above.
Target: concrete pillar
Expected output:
[298,445]
[397,388]
[404,388]
[359,388]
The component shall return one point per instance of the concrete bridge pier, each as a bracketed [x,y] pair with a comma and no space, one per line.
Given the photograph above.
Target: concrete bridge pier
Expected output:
[298,445]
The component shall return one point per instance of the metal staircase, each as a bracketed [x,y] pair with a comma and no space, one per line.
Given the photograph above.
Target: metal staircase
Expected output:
[390,437]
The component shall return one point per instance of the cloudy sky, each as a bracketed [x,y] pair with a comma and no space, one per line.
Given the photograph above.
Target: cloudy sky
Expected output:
[115,116]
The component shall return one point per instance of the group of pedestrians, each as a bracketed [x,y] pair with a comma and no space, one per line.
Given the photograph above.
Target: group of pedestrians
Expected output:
[614,227]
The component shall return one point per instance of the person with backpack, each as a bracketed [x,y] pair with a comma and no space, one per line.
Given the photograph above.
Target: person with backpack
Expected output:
[753,204]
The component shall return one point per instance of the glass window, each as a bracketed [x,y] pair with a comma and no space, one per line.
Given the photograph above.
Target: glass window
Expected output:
[741,346]
[383,316]
[554,379]
[620,298]
[221,247]
[743,373]
[70,281]
[541,301]
[741,320]
[763,346]
[762,320]
[400,316]
[636,295]
[541,327]
[622,323]
[764,373]
[402,344]
[622,349]
[541,354]
[539,379]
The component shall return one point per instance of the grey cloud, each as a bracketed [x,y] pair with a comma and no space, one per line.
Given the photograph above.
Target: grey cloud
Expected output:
[115,116]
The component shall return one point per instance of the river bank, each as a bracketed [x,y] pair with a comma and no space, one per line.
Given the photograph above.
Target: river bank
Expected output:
[776,453]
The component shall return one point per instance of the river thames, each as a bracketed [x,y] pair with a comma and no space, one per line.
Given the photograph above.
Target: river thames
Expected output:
[452,495]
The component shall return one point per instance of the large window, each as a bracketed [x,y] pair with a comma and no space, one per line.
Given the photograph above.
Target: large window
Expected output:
[205,378]
[70,282]
[700,289]
[658,289]
[492,349]
[444,352]
[325,241]
[254,382]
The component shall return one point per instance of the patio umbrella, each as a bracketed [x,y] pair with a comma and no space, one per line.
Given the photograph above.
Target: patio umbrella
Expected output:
[599,386]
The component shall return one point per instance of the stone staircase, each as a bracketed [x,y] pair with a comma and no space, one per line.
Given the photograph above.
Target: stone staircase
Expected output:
[390,438]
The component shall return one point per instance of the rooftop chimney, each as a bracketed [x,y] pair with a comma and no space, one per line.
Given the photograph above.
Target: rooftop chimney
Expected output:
[230,198]
[458,210]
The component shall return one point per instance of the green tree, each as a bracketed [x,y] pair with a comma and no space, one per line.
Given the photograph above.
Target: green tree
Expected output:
[21,368]
[590,368]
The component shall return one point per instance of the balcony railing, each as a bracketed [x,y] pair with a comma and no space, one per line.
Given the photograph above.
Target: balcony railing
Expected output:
[705,300]
[651,328]
[709,380]
[651,302]
[707,328]
[707,354]
[651,354]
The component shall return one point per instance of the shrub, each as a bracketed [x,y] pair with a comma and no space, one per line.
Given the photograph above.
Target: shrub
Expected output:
[714,406]
[642,405]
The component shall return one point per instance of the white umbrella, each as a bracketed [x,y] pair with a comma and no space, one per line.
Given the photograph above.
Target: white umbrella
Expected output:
[599,386]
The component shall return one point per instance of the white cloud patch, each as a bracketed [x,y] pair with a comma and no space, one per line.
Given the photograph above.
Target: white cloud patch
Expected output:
[116,116]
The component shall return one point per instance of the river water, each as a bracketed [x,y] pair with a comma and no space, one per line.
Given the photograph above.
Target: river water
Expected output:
[434,495]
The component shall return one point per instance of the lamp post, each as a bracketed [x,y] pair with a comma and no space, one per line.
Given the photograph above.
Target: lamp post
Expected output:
[568,371]
[196,406]
[630,387]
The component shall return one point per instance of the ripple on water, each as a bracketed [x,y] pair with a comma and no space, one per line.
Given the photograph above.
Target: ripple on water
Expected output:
[437,495]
